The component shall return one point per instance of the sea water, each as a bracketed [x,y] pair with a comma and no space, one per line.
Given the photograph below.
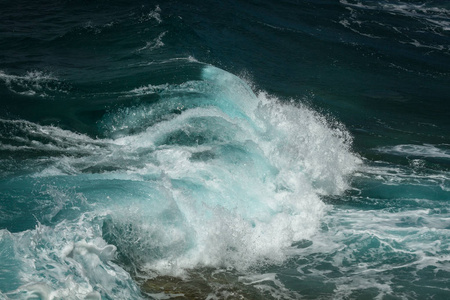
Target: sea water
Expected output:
[225,150]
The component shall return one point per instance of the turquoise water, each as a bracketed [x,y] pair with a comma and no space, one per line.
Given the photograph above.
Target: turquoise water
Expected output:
[225,150]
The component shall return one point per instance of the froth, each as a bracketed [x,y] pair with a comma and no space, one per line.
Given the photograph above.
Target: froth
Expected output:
[33,83]
[243,174]
[425,150]
[67,261]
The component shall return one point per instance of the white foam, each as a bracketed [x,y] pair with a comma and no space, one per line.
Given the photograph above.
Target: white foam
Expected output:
[154,44]
[426,150]
[54,265]
[406,9]
[149,89]
[152,15]
[430,19]
[370,246]
[62,151]
[33,83]
[258,278]
[260,191]
[415,176]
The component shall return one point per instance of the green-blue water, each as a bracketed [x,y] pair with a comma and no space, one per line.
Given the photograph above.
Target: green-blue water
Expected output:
[225,150]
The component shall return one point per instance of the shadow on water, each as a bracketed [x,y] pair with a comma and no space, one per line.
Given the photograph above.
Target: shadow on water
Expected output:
[202,283]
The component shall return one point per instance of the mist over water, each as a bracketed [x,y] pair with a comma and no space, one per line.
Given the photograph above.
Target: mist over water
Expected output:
[274,150]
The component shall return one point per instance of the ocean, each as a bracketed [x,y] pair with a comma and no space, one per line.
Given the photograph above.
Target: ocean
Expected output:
[225,149]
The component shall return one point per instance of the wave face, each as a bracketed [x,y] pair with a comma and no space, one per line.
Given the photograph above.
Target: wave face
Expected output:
[225,179]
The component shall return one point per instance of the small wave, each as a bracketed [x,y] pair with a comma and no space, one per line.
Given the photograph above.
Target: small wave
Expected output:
[408,9]
[365,18]
[21,135]
[33,83]
[425,150]
[152,15]
[154,44]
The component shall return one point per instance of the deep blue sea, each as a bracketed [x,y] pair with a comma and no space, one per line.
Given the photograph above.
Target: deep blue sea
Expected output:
[225,149]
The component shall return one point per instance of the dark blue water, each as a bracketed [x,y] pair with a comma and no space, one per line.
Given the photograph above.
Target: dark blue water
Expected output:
[225,150]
